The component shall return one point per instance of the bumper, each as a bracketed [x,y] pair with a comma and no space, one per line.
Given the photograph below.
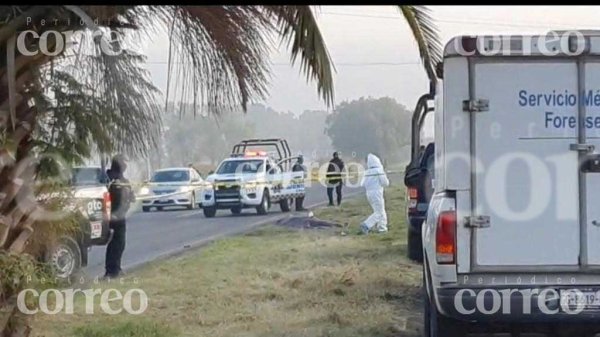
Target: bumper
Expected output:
[512,305]
[241,199]
[183,199]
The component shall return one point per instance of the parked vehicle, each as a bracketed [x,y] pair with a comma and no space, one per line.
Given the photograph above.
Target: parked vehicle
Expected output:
[512,231]
[253,179]
[419,175]
[176,186]
[91,199]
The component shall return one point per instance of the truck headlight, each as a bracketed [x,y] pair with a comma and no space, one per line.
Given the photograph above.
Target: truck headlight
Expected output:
[251,185]
[144,190]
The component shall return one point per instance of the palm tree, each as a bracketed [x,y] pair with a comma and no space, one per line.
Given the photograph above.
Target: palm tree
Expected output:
[84,98]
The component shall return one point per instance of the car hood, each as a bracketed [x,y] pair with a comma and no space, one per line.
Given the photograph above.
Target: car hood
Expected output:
[89,191]
[234,177]
[169,184]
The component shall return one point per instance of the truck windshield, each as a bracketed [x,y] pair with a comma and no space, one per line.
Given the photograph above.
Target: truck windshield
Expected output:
[240,166]
[88,176]
[170,176]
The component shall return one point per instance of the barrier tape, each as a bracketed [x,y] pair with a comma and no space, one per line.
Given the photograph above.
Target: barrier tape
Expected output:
[233,184]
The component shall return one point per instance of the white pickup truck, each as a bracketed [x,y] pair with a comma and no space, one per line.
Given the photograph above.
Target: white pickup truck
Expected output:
[253,179]
[512,235]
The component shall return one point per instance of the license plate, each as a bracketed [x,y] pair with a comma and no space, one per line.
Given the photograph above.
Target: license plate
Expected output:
[585,298]
[96,231]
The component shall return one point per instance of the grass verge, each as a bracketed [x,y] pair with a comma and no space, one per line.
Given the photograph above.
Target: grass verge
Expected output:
[272,282]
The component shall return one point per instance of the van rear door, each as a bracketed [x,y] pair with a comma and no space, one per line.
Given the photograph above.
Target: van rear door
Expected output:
[591,178]
[526,174]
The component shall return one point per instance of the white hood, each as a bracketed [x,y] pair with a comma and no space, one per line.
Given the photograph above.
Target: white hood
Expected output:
[375,177]
[245,177]
[373,162]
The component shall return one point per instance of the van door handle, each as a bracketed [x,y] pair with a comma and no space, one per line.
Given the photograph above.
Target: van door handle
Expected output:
[596,223]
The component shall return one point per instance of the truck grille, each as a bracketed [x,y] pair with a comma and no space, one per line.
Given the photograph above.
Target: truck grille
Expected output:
[226,191]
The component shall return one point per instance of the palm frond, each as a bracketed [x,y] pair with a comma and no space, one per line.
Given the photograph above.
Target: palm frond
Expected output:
[298,27]
[426,35]
[219,54]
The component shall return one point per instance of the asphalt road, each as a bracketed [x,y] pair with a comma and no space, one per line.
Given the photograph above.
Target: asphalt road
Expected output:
[159,234]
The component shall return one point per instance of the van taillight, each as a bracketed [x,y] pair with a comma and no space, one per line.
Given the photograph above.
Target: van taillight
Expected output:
[412,197]
[106,205]
[445,238]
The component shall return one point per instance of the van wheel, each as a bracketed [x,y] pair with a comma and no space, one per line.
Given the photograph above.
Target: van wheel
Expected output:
[64,257]
[209,212]
[415,246]
[436,324]
[285,204]
[264,206]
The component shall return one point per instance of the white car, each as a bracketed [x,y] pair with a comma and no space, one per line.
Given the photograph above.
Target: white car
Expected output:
[513,230]
[177,186]
[253,180]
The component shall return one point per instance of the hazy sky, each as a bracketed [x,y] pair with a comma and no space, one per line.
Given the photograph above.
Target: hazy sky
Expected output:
[375,55]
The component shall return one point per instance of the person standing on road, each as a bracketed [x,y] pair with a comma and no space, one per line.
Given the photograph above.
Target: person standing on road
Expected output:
[334,178]
[374,181]
[121,196]
[299,167]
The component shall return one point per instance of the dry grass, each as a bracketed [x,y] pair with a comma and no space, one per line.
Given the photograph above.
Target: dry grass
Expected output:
[275,282]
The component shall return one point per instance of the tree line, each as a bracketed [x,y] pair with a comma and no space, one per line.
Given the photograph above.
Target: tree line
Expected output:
[355,128]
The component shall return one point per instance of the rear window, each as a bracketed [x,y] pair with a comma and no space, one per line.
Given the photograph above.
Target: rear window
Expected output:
[88,176]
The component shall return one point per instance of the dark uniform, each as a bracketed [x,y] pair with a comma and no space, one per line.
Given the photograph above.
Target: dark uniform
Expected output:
[299,167]
[334,178]
[121,196]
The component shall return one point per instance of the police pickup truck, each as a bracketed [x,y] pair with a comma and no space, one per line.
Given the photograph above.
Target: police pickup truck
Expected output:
[90,197]
[253,179]
[512,235]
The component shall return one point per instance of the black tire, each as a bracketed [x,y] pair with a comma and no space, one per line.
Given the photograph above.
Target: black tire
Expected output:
[265,204]
[160,209]
[64,257]
[236,210]
[436,324]
[285,204]
[414,246]
[145,209]
[209,212]
[192,205]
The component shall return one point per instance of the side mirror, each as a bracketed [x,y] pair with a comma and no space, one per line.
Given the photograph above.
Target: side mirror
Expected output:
[211,172]
[414,176]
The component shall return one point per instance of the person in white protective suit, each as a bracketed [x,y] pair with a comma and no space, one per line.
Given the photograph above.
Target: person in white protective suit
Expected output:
[374,181]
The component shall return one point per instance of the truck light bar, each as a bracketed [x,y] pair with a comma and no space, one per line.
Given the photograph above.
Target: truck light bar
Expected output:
[255,154]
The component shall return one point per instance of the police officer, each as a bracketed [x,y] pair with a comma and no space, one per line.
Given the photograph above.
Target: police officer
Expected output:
[299,167]
[121,196]
[334,178]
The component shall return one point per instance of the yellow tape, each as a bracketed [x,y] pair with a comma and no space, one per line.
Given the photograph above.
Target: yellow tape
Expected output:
[314,176]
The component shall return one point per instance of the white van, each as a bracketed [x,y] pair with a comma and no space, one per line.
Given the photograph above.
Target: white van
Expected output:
[512,233]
